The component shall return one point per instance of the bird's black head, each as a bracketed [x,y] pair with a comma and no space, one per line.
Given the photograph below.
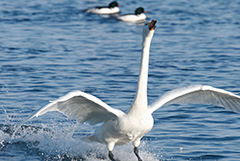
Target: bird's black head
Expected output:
[139,11]
[113,4]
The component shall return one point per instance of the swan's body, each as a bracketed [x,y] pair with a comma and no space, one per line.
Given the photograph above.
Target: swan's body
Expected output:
[120,128]
[138,16]
[112,8]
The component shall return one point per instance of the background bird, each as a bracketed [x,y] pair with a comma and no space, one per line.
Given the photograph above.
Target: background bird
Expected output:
[112,8]
[137,16]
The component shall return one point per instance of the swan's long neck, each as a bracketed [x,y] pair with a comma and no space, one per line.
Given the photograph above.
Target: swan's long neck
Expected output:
[140,102]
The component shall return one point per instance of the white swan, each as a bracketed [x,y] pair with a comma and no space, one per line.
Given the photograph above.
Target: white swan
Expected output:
[120,128]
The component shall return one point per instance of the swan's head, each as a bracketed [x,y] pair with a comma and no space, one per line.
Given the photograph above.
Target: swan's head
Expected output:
[148,29]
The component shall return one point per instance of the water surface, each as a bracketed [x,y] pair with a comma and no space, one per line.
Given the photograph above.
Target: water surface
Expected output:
[49,48]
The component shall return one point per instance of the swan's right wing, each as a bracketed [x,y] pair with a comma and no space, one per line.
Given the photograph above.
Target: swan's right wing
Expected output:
[81,106]
[199,94]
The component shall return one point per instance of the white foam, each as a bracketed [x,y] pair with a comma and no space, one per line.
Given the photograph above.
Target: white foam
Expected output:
[56,142]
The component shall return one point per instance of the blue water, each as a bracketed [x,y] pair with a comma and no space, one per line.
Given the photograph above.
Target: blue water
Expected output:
[50,47]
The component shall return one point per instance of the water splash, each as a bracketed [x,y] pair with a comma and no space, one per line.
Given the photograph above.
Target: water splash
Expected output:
[62,143]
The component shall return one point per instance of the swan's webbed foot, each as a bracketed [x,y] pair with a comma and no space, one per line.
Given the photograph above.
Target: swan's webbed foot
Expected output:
[111,156]
[136,153]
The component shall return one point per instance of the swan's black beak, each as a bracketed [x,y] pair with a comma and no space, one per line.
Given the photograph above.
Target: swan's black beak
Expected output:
[151,25]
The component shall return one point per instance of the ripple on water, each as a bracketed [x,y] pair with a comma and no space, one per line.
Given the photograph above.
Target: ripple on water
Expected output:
[49,48]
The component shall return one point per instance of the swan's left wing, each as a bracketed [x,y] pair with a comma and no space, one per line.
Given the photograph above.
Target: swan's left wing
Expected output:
[199,94]
[81,106]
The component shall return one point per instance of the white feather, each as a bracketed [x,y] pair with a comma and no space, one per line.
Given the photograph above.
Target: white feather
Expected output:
[81,106]
[199,94]
[132,17]
[103,10]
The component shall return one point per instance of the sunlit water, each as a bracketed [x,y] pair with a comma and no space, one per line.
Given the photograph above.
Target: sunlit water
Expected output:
[49,48]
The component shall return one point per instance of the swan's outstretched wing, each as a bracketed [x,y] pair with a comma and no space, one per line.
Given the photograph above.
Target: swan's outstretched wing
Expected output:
[81,106]
[199,94]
